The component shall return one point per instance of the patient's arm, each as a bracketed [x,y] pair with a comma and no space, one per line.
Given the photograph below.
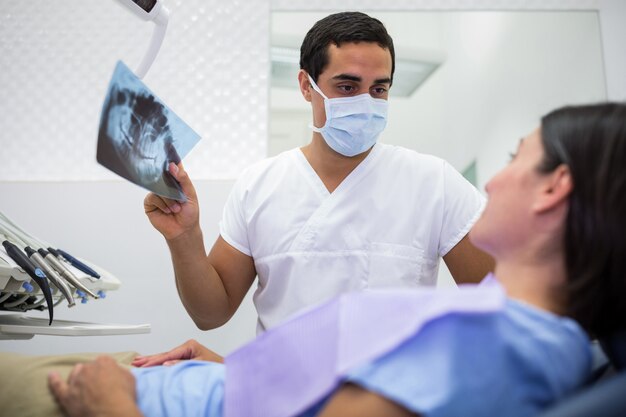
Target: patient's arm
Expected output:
[354,401]
[191,349]
[100,388]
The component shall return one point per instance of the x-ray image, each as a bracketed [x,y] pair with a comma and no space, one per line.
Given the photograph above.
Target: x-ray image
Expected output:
[139,135]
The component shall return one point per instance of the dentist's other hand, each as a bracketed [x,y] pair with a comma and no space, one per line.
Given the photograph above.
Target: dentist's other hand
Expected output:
[190,350]
[99,388]
[170,217]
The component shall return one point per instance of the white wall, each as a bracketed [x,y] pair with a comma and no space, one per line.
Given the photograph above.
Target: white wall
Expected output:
[613,19]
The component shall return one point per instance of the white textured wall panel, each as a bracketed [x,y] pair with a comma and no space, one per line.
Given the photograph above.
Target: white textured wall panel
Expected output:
[56,59]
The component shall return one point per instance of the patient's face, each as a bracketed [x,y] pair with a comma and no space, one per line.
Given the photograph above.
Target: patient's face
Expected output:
[506,223]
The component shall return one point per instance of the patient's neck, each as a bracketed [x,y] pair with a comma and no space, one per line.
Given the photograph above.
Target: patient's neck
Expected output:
[540,284]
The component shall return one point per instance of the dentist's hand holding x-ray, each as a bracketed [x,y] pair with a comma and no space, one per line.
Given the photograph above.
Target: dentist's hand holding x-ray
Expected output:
[211,288]
[170,217]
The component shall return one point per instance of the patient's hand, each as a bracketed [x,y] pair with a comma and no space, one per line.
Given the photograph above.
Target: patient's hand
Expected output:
[99,388]
[188,350]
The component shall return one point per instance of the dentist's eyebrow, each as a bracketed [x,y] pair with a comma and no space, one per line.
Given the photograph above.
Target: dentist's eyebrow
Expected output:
[347,77]
[356,78]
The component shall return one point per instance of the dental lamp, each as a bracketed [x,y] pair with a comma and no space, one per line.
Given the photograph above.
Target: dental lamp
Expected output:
[155,11]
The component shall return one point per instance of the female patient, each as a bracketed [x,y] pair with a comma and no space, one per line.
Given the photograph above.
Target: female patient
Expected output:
[554,223]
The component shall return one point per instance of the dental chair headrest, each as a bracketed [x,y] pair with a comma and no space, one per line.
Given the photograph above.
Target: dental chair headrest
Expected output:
[615,348]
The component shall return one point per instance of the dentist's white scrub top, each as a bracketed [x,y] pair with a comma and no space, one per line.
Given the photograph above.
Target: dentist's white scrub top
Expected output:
[386,225]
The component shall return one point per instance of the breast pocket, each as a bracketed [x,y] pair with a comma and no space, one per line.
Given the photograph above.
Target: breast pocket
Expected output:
[392,265]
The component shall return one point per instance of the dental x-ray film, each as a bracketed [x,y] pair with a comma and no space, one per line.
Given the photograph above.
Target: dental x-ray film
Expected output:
[139,135]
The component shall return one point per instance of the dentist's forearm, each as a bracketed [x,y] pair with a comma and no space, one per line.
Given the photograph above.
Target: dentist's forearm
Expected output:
[199,285]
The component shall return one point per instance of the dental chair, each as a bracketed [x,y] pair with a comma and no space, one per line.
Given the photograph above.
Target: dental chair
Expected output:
[605,394]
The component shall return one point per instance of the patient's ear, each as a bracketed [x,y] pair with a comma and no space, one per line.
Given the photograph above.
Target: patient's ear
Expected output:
[554,190]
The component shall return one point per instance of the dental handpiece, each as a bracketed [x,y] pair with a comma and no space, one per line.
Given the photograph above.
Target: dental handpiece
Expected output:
[12,229]
[52,275]
[65,273]
[20,237]
[35,273]
[74,262]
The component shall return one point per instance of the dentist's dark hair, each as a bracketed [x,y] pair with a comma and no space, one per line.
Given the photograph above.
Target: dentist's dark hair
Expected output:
[591,141]
[337,29]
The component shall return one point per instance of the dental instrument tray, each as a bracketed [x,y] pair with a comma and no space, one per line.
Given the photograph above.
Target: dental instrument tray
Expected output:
[35,275]
[17,326]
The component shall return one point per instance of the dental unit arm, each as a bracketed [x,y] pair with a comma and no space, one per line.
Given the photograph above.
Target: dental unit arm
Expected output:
[150,10]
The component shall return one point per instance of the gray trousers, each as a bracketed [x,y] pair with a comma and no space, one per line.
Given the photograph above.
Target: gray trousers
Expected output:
[24,381]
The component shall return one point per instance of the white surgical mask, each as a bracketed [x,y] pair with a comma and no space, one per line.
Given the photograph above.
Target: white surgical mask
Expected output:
[352,123]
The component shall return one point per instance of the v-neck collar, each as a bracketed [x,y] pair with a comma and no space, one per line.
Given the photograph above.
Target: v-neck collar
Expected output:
[316,182]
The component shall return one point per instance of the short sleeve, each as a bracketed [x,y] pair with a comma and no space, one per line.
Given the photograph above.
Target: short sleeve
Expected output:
[445,370]
[462,205]
[512,363]
[233,226]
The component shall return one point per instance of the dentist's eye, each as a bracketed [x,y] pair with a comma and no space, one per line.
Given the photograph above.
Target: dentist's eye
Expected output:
[347,88]
[379,91]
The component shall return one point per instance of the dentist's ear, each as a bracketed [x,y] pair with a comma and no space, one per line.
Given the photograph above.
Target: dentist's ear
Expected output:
[555,190]
[305,85]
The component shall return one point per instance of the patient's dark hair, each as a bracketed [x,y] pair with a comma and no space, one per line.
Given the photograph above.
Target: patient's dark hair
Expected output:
[591,141]
[340,28]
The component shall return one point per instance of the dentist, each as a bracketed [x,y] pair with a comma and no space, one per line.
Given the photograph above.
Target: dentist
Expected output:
[344,213]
